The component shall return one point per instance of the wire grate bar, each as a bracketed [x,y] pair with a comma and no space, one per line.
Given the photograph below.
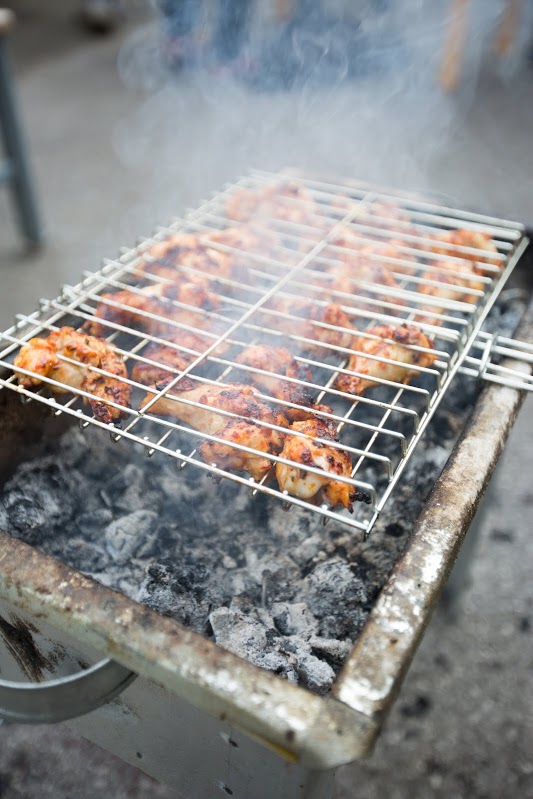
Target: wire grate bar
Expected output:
[375,299]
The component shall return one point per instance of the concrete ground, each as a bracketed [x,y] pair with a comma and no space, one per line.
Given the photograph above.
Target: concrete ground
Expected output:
[115,151]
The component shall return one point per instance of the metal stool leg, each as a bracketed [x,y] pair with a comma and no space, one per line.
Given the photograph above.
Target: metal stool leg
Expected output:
[17,167]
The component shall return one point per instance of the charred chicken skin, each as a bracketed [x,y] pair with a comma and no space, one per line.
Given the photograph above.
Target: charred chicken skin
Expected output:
[306,451]
[241,400]
[169,359]
[150,309]
[190,250]
[283,364]
[392,343]
[42,357]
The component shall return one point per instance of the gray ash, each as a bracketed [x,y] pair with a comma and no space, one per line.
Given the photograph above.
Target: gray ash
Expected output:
[277,588]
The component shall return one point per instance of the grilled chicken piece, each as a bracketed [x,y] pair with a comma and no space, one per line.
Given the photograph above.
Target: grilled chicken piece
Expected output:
[366,245]
[170,358]
[351,269]
[137,309]
[275,200]
[245,238]
[236,399]
[42,357]
[470,238]
[451,288]
[392,343]
[306,451]
[283,363]
[306,321]
[185,250]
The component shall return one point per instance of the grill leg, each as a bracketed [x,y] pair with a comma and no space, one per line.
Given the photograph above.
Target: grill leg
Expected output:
[17,167]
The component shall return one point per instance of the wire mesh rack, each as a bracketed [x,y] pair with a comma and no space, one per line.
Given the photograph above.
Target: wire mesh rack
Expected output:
[292,334]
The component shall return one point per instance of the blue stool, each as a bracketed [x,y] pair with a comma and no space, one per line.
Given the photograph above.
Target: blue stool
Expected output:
[14,168]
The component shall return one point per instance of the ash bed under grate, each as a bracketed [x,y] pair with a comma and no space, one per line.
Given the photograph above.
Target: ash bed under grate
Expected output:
[331,272]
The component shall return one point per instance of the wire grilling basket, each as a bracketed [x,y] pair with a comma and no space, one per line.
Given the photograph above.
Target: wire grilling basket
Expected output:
[294,335]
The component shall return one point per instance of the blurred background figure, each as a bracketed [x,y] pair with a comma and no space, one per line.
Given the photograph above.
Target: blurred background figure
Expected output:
[186,42]
[102,16]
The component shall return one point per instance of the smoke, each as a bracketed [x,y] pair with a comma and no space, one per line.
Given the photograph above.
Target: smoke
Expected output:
[338,90]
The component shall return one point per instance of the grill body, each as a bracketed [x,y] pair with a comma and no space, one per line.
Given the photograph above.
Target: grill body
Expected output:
[192,701]
[201,719]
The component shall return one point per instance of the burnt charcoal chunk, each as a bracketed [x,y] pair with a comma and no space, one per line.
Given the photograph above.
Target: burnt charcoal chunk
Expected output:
[315,674]
[294,619]
[161,590]
[124,537]
[39,499]
[82,555]
[331,586]
[92,525]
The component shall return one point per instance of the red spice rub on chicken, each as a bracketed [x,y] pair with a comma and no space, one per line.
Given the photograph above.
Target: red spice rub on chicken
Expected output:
[42,357]
[243,427]
[306,451]
[393,343]
[151,308]
[281,363]
[475,239]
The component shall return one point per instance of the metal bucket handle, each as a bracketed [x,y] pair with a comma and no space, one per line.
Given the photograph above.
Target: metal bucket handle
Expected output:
[63,698]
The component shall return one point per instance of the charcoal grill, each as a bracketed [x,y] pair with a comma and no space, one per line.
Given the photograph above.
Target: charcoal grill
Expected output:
[53,617]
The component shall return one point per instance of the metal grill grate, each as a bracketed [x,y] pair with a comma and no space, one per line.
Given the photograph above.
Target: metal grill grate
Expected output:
[316,257]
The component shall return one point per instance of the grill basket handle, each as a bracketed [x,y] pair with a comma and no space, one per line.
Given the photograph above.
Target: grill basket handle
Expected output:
[63,698]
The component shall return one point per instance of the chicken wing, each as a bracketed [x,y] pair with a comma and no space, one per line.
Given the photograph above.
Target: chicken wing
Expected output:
[366,245]
[287,201]
[245,238]
[393,343]
[150,308]
[241,401]
[44,358]
[475,239]
[168,359]
[283,364]
[307,451]
[308,320]
[185,250]
[453,287]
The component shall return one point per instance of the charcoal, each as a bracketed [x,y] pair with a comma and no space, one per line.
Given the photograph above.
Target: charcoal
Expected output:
[82,555]
[330,648]
[329,586]
[314,673]
[164,590]
[126,535]
[92,525]
[294,619]
[43,497]
[240,633]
